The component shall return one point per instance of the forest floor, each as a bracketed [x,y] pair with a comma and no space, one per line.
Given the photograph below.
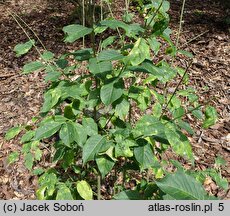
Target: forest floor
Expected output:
[21,95]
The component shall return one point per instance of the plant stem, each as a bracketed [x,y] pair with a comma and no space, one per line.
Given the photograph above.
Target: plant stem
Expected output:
[180,25]
[99,187]
[111,13]
[181,80]
[83,20]
[154,14]
[124,173]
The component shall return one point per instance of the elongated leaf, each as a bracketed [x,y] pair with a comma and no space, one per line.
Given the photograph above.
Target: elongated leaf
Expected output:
[148,126]
[29,161]
[52,76]
[133,30]
[32,66]
[122,109]
[68,133]
[92,147]
[186,126]
[128,195]
[123,147]
[90,126]
[99,68]
[75,32]
[104,165]
[84,189]
[22,49]
[51,98]
[108,41]
[210,117]
[13,132]
[47,55]
[145,157]
[109,55]
[27,136]
[47,130]
[113,24]
[111,92]
[186,53]
[82,134]
[83,54]
[14,156]
[64,193]
[164,73]
[179,142]
[181,186]
[154,44]
[139,52]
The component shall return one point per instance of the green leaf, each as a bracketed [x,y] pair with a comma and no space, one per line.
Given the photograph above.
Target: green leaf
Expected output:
[82,134]
[114,24]
[37,154]
[104,165]
[186,53]
[51,98]
[178,112]
[145,157]
[178,141]
[127,17]
[75,32]
[133,30]
[68,159]
[83,54]
[38,171]
[122,109]
[99,68]
[47,55]
[63,193]
[92,147]
[210,117]
[90,126]
[221,182]
[60,152]
[84,190]
[148,126]
[111,92]
[13,132]
[139,53]
[52,76]
[128,195]
[164,72]
[22,49]
[198,114]
[154,44]
[109,55]
[186,126]
[62,63]
[68,112]
[123,147]
[13,157]
[220,161]
[68,133]
[47,130]
[181,186]
[27,136]
[108,41]
[29,161]
[157,109]
[32,66]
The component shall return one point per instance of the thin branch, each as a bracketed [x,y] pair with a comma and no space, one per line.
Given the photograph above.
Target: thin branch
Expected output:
[181,80]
